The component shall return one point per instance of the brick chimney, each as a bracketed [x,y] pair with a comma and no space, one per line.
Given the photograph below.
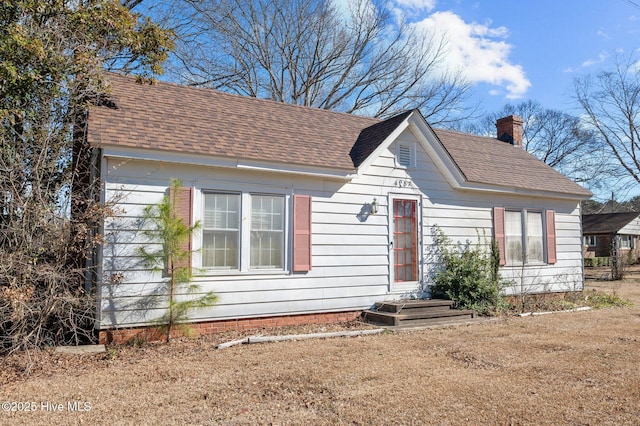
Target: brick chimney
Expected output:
[510,130]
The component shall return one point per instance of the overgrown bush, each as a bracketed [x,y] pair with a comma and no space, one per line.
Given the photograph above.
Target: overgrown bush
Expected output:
[467,274]
[52,60]
[43,301]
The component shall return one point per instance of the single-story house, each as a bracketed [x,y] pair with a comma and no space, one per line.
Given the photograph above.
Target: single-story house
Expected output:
[310,214]
[604,233]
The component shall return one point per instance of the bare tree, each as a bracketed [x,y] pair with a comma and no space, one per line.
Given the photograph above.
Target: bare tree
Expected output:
[559,139]
[610,101]
[311,52]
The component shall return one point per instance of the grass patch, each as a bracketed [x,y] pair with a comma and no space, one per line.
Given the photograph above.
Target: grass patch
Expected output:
[544,302]
[599,300]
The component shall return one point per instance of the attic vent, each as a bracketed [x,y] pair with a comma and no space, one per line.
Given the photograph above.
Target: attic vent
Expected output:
[406,155]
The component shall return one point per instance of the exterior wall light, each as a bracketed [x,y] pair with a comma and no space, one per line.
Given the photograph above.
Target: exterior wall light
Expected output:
[374,206]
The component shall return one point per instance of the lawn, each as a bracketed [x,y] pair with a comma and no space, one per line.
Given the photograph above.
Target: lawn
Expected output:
[565,368]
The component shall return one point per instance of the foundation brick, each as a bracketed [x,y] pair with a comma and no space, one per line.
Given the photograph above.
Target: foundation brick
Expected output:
[151,334]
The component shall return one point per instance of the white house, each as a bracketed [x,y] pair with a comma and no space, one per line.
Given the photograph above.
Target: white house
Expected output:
[308,214]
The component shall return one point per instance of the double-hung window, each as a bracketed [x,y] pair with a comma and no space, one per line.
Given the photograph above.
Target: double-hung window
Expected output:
[513,236]
[523,236]
[626,242]
[231,243]
[535,237]
[267,232]
[221,231]
[249,232]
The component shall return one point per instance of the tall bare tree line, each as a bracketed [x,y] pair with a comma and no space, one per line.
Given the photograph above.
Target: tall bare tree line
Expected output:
[360,59]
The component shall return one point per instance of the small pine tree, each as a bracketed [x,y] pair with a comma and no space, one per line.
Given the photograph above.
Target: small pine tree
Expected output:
[172,260]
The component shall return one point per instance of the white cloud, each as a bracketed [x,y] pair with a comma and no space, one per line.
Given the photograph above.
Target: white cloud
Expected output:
[479,51]
[590,62]
[416,5]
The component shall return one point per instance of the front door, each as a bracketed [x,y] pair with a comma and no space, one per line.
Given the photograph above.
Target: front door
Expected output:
[405,240]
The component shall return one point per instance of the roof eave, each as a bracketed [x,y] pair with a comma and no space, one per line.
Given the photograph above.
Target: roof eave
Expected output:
[511,190]
[146,154]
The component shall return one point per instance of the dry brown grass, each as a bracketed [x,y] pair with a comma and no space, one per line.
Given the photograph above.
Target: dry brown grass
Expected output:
[566,368]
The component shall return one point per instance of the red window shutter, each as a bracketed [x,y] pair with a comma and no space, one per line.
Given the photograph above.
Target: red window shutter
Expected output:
[301,233]
[551,236]
[182,202]
[498,233]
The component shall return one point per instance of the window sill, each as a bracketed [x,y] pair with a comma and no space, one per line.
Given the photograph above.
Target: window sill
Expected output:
[519,265]
[236,273]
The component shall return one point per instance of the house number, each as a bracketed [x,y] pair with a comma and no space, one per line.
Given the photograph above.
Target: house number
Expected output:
[403,183]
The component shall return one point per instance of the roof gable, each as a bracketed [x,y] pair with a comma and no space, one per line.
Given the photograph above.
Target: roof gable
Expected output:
[373,136]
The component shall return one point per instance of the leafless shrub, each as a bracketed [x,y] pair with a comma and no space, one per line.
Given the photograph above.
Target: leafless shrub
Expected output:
[43,300]
[52,61]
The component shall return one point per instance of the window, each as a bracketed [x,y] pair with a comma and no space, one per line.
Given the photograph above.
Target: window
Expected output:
[590,240]
[513,236]
[267,232]
[406,155]
[521,234]
[626,242]
[243,231]
[535,242]
[221,231]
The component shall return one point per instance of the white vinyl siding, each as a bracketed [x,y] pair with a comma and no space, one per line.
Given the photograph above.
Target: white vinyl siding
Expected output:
[351,252]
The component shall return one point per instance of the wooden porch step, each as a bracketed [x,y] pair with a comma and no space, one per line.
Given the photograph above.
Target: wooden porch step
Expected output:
[408,313]
[398,305]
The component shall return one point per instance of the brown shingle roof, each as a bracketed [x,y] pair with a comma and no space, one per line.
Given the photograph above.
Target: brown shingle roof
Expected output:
[490,161]
[606,222]
[186,119]
[175,118]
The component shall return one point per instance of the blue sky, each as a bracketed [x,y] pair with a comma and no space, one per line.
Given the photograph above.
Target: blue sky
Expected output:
[528,49]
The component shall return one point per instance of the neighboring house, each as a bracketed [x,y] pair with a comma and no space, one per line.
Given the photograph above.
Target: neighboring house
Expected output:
[309,214]
[605,232]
